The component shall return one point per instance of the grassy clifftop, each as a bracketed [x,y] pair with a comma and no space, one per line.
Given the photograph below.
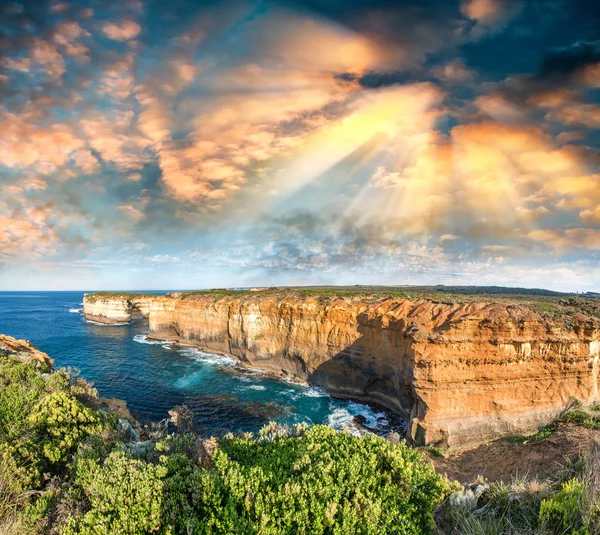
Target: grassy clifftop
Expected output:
[554,305]
[547,303]
[99,296]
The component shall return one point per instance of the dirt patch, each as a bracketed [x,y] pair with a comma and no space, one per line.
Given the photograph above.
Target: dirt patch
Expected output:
[502,460]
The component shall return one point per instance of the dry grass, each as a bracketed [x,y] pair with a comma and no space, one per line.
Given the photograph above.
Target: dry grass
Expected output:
[10,501]
[590,501]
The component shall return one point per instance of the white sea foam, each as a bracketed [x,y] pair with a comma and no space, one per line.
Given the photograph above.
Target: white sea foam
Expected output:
[208,358]
[105,324]
[373,419]
[315,392]
[257,387]
[343,418]
[143,339]
[75,310]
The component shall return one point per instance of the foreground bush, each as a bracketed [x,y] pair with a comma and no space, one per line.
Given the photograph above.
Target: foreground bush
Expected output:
[65,470]
[60,474]
[562,512]
[321,482]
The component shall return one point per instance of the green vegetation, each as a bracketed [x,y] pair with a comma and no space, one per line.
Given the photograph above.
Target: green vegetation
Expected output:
[217,293]
[96,296]
[562,512]
[567,502]
[543,433]
[549,304]
[583,418]
[64,469]
[576,413]
[553,305]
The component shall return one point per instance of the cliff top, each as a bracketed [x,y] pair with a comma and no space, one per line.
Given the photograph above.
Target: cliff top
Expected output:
[95,296]
[545,303]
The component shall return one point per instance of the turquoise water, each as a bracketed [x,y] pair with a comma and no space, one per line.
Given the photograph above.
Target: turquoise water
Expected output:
[153,378]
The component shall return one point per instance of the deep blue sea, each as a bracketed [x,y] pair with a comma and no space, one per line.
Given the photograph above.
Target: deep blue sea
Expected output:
[153,378]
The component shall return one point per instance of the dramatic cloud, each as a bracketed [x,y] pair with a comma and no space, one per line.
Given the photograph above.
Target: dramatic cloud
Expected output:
[223,143]
[122,30]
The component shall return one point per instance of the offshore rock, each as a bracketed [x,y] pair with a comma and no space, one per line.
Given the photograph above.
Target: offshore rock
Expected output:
[117,308]
[459,373]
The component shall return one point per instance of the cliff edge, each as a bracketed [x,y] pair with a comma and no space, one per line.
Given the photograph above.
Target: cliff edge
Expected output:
[24,351]
[460,373]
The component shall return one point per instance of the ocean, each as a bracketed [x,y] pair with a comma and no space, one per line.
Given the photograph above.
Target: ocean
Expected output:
[153,378]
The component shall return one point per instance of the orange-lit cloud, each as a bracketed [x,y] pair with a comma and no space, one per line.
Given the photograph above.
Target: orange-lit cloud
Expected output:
[311,45]
[567,240]
[23,235]
[45,149]
[123,30]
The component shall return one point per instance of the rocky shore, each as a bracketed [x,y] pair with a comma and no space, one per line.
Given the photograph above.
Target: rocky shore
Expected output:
[460,373]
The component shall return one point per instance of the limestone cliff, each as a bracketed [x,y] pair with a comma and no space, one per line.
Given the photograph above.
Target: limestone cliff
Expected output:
[24,351]
[112,308]
[459,373]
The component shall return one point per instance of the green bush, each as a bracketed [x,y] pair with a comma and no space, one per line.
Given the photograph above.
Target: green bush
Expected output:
[125,497]
[21,387]
[562,512]
[40,422]
[582,418]
[60,423]
[322,482]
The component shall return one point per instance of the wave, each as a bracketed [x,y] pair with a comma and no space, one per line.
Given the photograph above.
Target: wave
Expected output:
[208,358]
[344,418]
[316,392]
[257,387]
[105,324]
[373,419]
[143,339]
[75,310]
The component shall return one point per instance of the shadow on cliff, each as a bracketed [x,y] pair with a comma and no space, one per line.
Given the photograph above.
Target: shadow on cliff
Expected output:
[377,368]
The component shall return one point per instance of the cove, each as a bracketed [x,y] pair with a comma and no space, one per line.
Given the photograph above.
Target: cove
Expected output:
[152,377]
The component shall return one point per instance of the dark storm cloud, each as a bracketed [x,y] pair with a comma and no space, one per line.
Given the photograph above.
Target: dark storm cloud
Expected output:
[563,66]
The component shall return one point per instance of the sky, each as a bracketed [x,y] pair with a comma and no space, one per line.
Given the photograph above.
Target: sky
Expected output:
[177,145]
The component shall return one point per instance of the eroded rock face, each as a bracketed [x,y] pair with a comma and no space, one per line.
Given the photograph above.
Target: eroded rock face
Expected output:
[24,351]
[458,373]
[115,309]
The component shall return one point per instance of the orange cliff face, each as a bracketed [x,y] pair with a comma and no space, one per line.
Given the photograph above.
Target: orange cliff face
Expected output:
[459,374]
[24,351]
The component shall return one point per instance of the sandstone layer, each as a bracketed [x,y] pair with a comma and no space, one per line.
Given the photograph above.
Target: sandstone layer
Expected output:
[118,308]
[459,373]
[24,351]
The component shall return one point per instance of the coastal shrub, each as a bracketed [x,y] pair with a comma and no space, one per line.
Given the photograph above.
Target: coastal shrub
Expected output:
[544,432]
[582,418]
[499,508]
[561,513]
[125,497]
[60,423]
[182,498]
[41,423]
[21,387]
[322,482]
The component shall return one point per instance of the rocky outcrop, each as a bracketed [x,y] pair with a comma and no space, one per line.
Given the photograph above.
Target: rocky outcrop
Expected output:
[459,373]
[24,351]
[116,308]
